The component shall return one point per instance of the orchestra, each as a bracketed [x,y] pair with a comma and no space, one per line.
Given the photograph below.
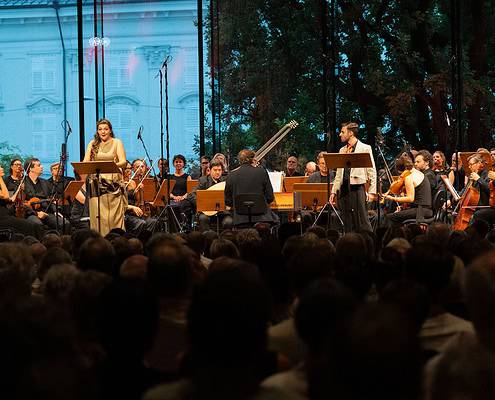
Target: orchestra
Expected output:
[415,180]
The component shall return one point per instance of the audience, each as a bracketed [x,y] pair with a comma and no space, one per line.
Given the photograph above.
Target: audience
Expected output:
[250,315]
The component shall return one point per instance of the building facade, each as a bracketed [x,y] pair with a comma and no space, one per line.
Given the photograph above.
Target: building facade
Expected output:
[138,37]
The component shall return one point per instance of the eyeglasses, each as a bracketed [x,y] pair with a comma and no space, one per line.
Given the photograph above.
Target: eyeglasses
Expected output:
[17,165]
[205,162]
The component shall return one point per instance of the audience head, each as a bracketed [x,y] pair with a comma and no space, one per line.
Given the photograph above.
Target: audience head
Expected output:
[228,318]
[16,272]
[171,270]
[97,254]
[480,297]
[431,266]
[223,247]
[134,267]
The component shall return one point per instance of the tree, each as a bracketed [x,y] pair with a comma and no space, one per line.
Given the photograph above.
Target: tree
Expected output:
[394,71]
[7,153]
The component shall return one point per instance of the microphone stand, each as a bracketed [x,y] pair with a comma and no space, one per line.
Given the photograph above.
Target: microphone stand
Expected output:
[163,217]
[54,196]
[146,152]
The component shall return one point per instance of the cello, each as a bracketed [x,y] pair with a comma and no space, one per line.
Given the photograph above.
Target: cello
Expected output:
[467,205]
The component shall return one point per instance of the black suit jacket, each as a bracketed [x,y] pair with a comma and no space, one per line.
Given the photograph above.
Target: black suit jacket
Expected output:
[248,179]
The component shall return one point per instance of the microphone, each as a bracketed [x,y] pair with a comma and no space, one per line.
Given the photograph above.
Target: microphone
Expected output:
[66,125]
[139,133]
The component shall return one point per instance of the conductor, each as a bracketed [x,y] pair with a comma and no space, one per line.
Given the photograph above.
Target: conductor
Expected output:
[249,179]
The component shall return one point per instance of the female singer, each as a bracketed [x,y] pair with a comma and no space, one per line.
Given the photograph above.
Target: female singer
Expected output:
[113,200]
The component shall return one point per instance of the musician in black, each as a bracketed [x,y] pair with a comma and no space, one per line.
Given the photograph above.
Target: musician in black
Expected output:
[37,187]
[204,183]
[179,201]
[163,169]
[479,176]
[16,173]
[58,183]
[322,174]
[292,166]
[417,194]
[7,219]
[249,179]
[423,162]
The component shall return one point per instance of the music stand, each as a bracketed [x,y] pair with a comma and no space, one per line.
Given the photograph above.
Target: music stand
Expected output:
[346,160]
[71,191]
[310,187]
[289,181]
[210,203]
[96,168]
[191,185]
[161,200]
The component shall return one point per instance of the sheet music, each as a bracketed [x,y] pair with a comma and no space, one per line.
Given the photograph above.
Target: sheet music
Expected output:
[276,178]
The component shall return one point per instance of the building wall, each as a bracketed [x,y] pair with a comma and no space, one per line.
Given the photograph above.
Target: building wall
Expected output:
[141,36]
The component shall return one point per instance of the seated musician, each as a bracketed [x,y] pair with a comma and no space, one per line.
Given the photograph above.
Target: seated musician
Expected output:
[79,213]
[292,165]
[163,169]
[481,181]
[321,175]
[7,219]
[204,165]
[223,160]
[37,187]
[310,168]
[58,182]
[423,162]
[134,219]
[205,182]
[16,173]
[179,201]
[417,194]
[139,167]
[457,175]
[440,166]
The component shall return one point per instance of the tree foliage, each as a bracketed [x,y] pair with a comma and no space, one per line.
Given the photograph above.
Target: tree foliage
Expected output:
[393,71]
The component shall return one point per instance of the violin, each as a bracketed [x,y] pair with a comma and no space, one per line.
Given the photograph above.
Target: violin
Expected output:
[398,185]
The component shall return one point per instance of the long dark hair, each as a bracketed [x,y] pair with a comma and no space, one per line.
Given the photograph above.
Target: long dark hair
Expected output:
[96,139]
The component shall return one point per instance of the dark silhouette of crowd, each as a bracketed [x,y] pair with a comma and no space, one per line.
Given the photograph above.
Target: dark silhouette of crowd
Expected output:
[402,314]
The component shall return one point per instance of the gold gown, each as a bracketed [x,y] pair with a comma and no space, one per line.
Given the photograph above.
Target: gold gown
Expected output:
[113,201]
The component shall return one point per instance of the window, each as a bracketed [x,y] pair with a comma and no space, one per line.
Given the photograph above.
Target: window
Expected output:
[44,145]
[191,129]
[117,73]
[43,73]
[191,70]
[121,117]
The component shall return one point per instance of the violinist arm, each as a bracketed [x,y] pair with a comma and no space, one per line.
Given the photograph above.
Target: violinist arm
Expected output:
[80,197]
[410,192]
[4,192]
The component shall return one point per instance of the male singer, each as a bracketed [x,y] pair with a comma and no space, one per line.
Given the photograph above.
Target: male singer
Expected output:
[350,183]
